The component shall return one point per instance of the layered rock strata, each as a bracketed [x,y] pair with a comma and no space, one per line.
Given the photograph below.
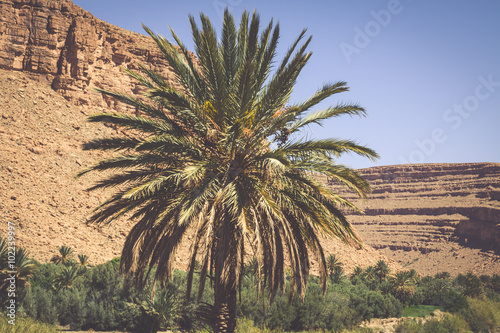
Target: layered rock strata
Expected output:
[76,51]
[434,216]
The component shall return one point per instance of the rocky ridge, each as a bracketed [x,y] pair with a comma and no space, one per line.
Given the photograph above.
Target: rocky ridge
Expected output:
[75,50]
[434,217]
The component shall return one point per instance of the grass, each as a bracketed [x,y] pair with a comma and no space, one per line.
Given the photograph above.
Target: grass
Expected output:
[420,310]
[24,325]
[246,326]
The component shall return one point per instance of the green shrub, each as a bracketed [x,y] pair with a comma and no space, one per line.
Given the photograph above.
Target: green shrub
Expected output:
[72,308]
[25,325]
[409,326]
[439,292]
[483,315]
[471,284]
[452,301]
[40,305]
[420,310]
[455,324]
[434,326]
[448,324]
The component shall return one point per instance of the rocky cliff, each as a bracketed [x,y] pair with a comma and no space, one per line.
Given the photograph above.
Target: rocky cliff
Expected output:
[76,51]
[434,216]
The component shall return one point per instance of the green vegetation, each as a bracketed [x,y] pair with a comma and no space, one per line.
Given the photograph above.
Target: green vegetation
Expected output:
[420,310]
[100,298]
[24,325]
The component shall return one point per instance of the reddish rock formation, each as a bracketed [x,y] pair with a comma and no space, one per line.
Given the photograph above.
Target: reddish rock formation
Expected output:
[434,216]
[76,50]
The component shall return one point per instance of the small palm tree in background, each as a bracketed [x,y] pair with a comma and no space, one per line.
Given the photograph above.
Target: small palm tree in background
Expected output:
[4,253]
[335,268]
[382,270]
[403,285]
[161,312]
[369,273]
[66,277]
[414,276]
[83,260]
[222,158]
[64,257]
[442,275]
[19,272]
[357,272]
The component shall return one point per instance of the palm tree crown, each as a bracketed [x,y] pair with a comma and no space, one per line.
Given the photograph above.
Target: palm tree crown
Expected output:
[21,268]
[222,156]
[382,270]
[65,255]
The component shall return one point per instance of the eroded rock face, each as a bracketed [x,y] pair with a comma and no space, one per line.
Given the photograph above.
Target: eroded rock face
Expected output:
[435,217]
[76,50]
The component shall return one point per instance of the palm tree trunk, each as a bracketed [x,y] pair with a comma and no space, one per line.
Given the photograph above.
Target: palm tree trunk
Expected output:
[225,287]
[225,307]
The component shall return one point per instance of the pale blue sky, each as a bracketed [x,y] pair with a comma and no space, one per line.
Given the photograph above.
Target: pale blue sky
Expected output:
[427,72]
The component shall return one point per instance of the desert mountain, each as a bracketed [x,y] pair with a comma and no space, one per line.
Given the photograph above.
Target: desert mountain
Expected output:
[434,217]
[53,53]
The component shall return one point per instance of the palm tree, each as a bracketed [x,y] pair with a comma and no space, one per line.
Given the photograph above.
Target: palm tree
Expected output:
[66,277]
[222,157]
[64,257]
[403,285]
[83,260]
[358,272]
[381,270]
[414,276]
[4,254]
[22,269]
[442,275]
[160,312]
[332,262]
[335,268]
[369,273]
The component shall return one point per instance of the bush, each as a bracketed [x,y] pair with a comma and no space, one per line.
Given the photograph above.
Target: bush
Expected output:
[40,304]
[452,301]
[439,292]
[409,326]
[72,308]
[25,325]
[455,324]
[482,315]
[371,304]
[471,284]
